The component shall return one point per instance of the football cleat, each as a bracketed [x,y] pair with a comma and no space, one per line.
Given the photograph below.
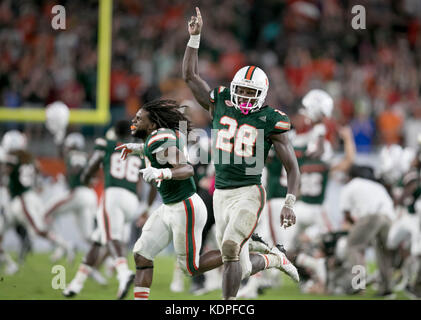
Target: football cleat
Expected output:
[212,282]
[257,238]
[256,243]
[11,268]
[177,283]
[72,289]
[124,283]
[285,265]
[247,293]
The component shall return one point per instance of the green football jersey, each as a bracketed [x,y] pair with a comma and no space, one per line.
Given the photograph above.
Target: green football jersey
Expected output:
[75,162]
[118,172]
[277,183]
[240,143]
[314,178]
[22,173]
[171,191]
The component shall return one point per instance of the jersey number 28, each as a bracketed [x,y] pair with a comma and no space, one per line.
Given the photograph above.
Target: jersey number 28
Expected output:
[244,141]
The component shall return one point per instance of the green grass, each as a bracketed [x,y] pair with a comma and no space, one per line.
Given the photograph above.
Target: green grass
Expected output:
[34,282]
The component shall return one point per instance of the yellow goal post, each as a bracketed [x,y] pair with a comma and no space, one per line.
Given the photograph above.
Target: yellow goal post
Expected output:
[101,114]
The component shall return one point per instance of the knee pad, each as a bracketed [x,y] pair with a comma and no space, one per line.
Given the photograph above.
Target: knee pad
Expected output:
[140,248]
[230,251]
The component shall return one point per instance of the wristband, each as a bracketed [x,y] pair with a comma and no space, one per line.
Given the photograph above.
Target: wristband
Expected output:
[194,41]
[138,149]
[167,174]
[289,201]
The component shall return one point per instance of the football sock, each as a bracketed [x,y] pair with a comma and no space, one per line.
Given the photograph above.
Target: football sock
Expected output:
[141,293]
[121,265]
[82,273]
[271,260]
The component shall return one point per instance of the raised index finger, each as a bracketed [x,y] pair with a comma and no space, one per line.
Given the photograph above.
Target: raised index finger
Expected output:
[198,13]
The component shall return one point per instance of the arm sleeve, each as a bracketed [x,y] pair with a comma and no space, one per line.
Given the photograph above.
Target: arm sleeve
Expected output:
[214,95]
[161,140]
[279,123]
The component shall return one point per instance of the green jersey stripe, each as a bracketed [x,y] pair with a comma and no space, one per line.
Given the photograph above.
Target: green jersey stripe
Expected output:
[190,241]
[283,125]
[161,136]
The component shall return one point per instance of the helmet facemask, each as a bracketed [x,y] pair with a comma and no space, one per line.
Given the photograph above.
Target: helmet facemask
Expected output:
[253,103]
[250,77]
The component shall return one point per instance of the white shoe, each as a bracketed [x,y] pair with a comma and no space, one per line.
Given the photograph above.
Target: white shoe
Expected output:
[11,268]
[72,289]
[306,286]
[213,280]
[209,286]
[177,286]
[250,290]
[177,283]
[124,283]
[247,293]
[285,265]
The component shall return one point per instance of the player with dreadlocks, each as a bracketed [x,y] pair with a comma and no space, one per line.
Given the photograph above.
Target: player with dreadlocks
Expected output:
[182,216]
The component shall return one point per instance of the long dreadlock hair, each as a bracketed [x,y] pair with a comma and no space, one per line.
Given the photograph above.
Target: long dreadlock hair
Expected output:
[167,114]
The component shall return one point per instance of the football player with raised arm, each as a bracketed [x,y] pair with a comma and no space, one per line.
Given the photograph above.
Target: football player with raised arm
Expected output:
[182,216]
[246,129]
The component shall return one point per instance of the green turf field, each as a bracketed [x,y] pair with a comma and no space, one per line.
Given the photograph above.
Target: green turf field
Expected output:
[34,282]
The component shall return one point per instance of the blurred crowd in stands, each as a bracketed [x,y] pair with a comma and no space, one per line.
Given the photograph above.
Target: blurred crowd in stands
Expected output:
[373,74]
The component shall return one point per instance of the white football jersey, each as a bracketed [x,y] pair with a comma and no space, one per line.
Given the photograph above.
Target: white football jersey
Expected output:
[362,197]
